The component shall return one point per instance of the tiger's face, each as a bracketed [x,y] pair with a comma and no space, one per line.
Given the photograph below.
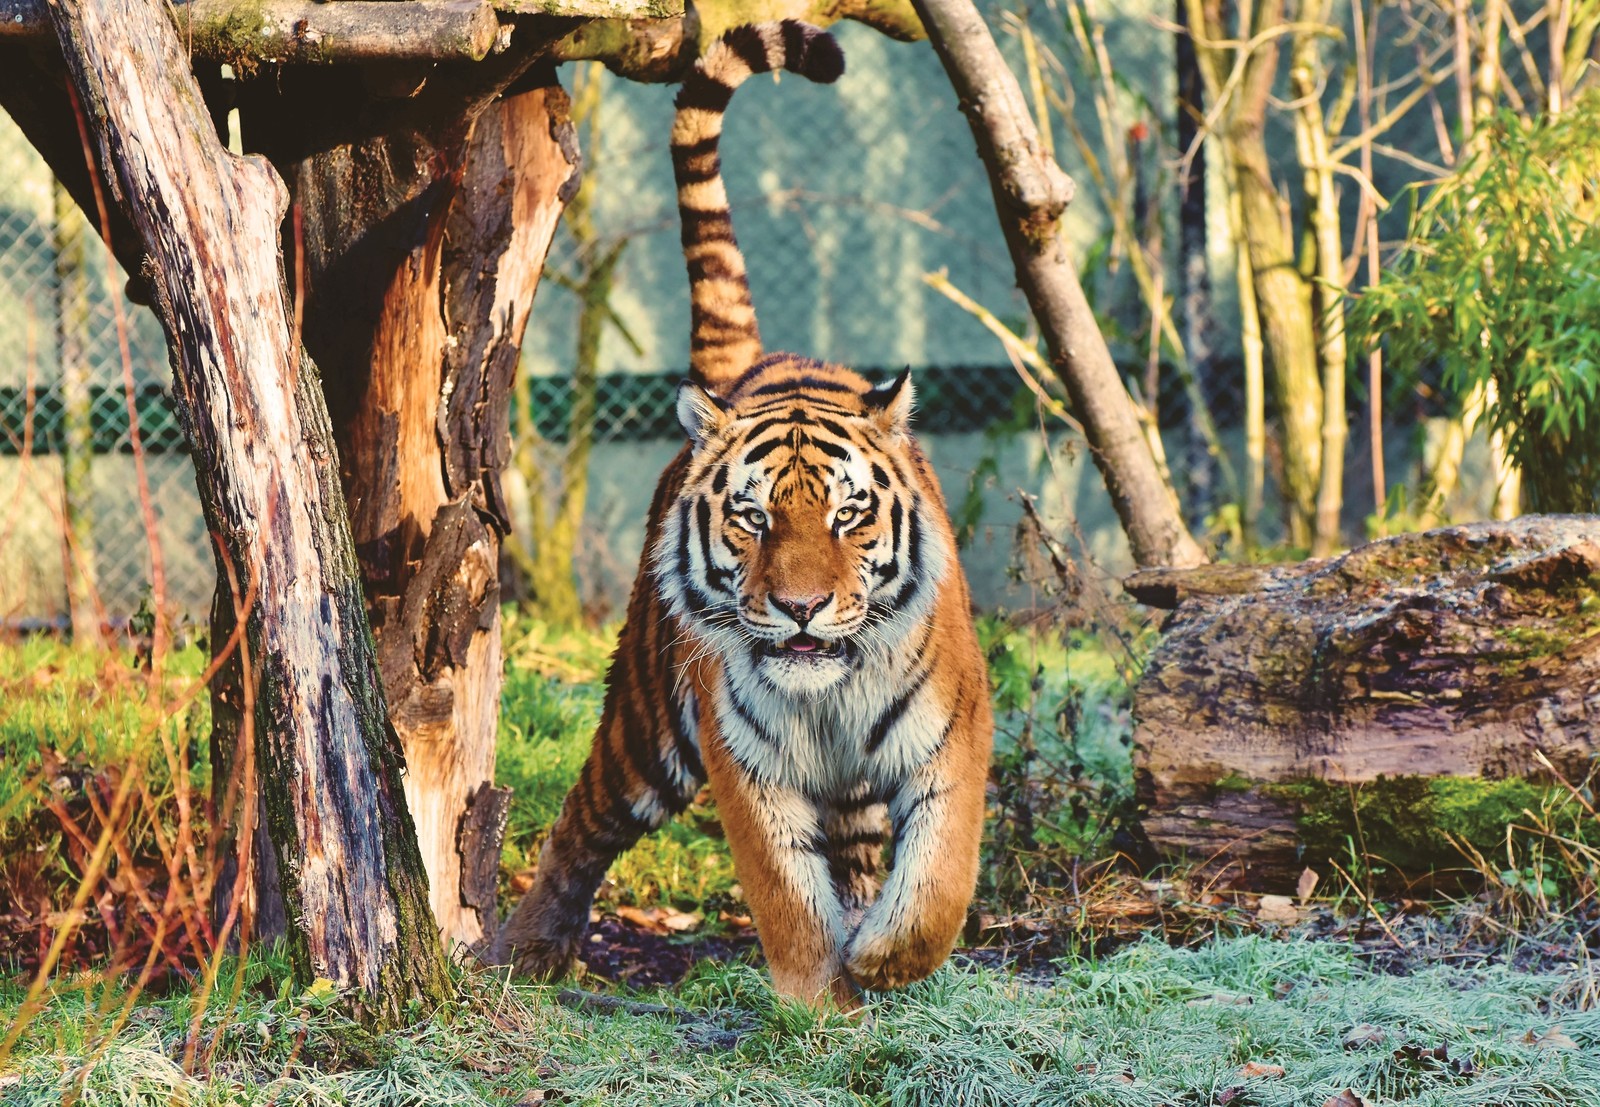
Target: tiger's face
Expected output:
[796,546]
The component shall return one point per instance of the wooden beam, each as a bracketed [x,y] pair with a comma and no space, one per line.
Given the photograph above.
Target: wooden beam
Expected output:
[253,32]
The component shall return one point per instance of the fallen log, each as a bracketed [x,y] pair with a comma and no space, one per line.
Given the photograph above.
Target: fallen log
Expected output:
[1417,679]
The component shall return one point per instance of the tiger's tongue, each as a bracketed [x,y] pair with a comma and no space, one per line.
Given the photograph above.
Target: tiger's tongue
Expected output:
[800,643]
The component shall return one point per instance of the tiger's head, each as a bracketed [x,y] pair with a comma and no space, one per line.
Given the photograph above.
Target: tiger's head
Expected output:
[800,546]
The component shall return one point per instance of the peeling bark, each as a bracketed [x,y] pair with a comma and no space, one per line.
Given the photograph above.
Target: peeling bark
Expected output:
[253,410]
[423,249]
[1468,652]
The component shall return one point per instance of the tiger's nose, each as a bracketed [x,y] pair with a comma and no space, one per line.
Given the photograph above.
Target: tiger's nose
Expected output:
[799,608]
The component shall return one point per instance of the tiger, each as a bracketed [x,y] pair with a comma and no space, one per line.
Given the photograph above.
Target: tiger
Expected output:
[799,634]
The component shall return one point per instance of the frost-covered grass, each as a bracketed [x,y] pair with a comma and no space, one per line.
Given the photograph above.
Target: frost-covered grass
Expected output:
[1149,1026]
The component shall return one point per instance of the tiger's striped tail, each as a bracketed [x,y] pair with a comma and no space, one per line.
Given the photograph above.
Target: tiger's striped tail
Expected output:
[724,340]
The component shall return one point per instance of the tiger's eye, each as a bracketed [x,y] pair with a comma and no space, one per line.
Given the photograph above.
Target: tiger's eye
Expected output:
[844,515]
[756,517]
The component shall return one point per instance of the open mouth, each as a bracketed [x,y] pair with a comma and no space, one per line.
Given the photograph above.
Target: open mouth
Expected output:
[804,647]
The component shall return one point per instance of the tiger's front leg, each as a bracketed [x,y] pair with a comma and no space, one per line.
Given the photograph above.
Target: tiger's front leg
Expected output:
[937,817]
[775,834]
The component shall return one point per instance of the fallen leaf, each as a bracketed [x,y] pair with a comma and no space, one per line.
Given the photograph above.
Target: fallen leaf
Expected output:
[1282,989]
[1347,1098]
[1439,1054]
[680,922]
[531,1096]
[1277,909]
[1228,1095]
[1363,1035]
[1223,999]
[1306,884]
[1252,1070]
[1554,1038]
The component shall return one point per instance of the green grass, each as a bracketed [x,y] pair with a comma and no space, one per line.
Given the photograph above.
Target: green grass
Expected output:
[1151,1025]
[1148,1026]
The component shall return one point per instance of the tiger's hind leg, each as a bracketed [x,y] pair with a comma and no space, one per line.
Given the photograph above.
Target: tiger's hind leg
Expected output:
[637,777]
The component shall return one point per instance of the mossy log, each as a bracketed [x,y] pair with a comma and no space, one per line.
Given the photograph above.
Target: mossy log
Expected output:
[1406,666]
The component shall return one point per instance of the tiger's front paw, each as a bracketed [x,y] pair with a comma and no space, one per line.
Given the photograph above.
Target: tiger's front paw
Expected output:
[881,959]
[541,958]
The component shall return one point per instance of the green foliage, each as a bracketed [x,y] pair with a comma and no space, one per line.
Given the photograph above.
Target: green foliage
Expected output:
[68,717]
[1499,283]
[1409,827]
[1063,769]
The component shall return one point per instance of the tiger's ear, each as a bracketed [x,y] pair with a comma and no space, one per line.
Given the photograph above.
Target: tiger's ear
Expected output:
[701,412]
[892,401]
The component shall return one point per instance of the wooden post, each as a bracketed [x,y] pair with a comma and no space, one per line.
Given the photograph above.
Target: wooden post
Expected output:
[253,409]
[422,247]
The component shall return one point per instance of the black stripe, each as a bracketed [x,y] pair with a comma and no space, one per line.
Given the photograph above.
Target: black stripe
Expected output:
[699,600]
[796,38]
[913,559]
[702,91]
[879,476]
[719,479]
[685,745]
[691,175]
[749,719]
[857,838]
[801,384]
[684,151]
[716,577]
[843,867]
[815,404]
[911,809]
[615,784]
[715,267]
[832,449]
[706,226]
[747,44]
[641,741]
[857,803]
[888,572]
[892,713]
[761,450]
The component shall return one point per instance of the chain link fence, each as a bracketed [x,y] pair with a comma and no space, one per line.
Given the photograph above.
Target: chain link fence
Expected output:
[74,405]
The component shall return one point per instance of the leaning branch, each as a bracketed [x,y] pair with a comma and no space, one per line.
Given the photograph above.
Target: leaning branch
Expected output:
[1031,192]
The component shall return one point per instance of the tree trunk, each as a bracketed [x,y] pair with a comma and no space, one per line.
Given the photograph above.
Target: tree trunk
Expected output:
[1279,694]
[1283,297]
[1196,306]
[253,410]
[1279,294]
[422,250]
[1030,193]
[1326,245]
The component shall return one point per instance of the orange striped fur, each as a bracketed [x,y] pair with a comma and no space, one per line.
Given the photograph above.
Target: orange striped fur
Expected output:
[799,636]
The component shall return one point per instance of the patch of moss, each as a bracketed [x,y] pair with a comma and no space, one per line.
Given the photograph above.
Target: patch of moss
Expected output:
[1235,781]
[1406,823]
